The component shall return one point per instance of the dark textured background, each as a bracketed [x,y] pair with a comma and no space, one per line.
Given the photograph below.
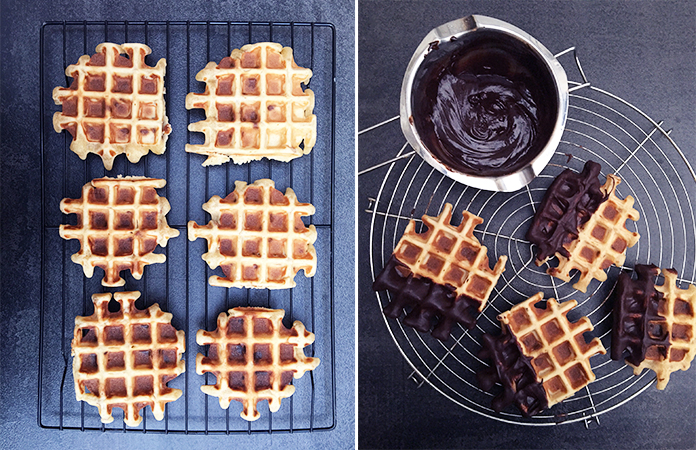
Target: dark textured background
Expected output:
[642,51]
[20,23]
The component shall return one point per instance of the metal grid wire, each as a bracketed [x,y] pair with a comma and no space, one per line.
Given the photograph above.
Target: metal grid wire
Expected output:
[180,285]
[601,127]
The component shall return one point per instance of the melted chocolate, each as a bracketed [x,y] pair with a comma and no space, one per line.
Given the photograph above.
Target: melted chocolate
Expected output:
[568,204]
[432,306]
[435,45]
[484,104]
[513,370]
[636,308]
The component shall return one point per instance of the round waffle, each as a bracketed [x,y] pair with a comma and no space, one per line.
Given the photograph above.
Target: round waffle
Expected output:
[120,222]
[255,107]
[552,346]
[257,236]
[655,323]
[584,224]
[443,272]
[115,104]
[254,358]
[125,359]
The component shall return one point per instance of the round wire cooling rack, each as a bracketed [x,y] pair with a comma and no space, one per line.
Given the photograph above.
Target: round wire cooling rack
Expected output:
[601,127]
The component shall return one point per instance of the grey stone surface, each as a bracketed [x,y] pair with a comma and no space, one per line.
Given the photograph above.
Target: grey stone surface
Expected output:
[20,22]
[641,51]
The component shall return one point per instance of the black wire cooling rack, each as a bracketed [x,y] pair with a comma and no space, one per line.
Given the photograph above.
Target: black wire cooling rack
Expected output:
[602,127]
[180,285]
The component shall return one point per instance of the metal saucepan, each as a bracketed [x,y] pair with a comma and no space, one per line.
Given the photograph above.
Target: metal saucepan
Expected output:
[443,47]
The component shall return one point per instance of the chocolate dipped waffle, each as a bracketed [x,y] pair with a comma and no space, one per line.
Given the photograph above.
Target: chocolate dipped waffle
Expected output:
[120,222]
[255,107]
[584,225]
[115,104]
[540,359]
[254,358]
[125,359]
[257,237]
[655,324]
[442,275]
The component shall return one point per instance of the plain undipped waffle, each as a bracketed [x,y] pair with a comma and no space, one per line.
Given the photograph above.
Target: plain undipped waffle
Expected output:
[559,354]
[255,107]
[441,273]
[120,221]
[125,359]
[655,323]
[257,236]
[593,240]
[115,104]
[254,358]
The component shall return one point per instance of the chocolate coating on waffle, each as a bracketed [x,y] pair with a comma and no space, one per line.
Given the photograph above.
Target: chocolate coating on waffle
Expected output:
[441,273]
[636,318]
[430,303]
[513,370]
[569,202]
[655,323]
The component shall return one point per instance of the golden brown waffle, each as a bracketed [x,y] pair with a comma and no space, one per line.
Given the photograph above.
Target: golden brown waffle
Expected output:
[125,359]
[120,221]
[257,236]
[254,357]
[671,343]
[450,255]
[602,240]
[115,104]
[255,107]
[560,356]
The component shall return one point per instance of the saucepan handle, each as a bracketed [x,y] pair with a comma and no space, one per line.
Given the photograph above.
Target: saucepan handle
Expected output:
[574,85]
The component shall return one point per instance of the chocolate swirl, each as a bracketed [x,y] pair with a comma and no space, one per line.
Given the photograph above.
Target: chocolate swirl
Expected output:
[484,104]
[485,121]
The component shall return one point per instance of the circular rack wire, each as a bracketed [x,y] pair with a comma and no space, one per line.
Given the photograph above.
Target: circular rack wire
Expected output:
[601,127]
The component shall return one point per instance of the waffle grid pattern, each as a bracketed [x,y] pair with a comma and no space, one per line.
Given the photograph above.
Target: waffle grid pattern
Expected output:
[513,371]
[120,221]
[257,236]
[126,358]
[568,203]
[115,104]
[636,303]
[254,358]
[560,356]
[602,240]
[450,255]
[678,329]
[255,107]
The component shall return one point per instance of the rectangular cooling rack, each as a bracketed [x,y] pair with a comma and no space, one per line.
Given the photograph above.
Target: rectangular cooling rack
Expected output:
[180,285]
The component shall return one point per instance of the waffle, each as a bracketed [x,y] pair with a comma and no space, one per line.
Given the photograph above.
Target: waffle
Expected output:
[514,372]
[655,323]
[120,221]
[257,236]
[559,354]
[442,274]
[568,204]
[114,105]
[587,231]
[265,372]
[119,362]
[255,107]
